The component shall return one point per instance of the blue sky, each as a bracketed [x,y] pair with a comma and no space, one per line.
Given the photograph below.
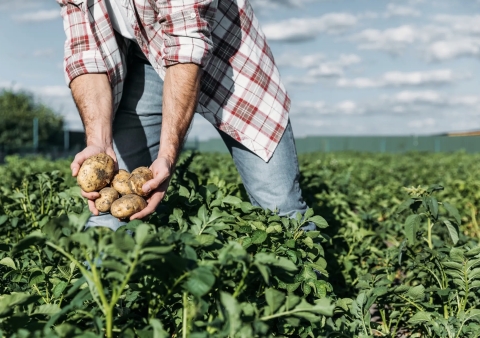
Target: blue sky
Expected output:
[352,67]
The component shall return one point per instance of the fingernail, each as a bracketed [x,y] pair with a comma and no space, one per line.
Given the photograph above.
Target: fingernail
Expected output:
[146,188]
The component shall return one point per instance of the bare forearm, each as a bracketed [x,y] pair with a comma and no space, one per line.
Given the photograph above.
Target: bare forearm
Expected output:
[93,96]
[180,97]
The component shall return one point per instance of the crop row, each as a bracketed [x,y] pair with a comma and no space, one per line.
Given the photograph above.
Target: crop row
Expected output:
[396,254]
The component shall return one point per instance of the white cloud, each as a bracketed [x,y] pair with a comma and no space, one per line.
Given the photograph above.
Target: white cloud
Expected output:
[323,69]
[38,16]
[299,61]
[454,48]
[396,10]
[392,40]
[334,68]
[467,24]
[304,29]
[397,79]
[14,5]
[347,107]
[430,97]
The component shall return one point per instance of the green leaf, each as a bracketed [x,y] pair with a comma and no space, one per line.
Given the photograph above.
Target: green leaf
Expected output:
[453,212]
[233,310]
[36,277]
[158,331]
[259,236]
[420,317]
[432,204]
[59,288]
[46,309]
[3,219]
[412,224]
[308,241]
[7,261]
[232,200]
[141,233]
[200,281]
[452,230]
[417,293]
[264,271]
[205,240]
[33,239]
[405,205]
[275,299]
[319,221]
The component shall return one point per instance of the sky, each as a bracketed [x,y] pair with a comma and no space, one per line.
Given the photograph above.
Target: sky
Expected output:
[351,67]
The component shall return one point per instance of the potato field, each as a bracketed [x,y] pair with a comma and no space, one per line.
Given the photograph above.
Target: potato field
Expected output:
[396,253]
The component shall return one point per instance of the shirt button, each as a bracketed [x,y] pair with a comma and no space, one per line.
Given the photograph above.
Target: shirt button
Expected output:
[193,15]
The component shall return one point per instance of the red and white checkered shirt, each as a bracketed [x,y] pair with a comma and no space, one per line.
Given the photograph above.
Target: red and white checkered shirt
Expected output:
[241,90]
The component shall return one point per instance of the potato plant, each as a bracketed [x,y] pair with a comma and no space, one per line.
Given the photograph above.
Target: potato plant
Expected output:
[395,254]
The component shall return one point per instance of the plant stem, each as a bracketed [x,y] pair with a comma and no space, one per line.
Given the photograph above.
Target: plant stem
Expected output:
[430,245]
[185,316]
[412,303]
[109,321]
[242,283]
[394,333]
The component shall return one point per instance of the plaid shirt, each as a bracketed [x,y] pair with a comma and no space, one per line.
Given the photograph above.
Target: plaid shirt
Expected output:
[241,91]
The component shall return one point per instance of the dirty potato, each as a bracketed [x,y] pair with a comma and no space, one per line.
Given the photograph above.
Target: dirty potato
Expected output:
[107,197]
[96,172]
[127,205]
[138,178]
[120,182]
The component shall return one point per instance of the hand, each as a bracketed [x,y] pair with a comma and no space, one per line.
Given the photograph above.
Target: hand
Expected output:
[162,169]
[77,163]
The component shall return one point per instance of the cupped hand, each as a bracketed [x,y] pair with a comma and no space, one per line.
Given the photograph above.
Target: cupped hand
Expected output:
[77,163]
[162,169]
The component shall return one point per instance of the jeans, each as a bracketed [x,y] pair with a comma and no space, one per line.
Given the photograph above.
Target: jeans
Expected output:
[136,134]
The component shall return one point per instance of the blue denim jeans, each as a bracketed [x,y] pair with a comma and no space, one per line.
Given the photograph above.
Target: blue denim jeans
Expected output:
[136,134]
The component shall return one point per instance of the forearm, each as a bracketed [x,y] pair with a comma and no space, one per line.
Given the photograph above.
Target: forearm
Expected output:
[180,97]
[93,96]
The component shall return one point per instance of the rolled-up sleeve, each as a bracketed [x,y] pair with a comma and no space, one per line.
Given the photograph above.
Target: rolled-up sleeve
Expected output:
[186,27]
[81,53]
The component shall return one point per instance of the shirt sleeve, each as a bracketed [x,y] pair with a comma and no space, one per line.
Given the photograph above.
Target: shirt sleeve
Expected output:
[81,53]
[186,27]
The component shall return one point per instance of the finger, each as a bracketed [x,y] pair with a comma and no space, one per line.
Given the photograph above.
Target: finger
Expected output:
[155,200]
[154,184]
[91,195]
[77,163]
[91,206]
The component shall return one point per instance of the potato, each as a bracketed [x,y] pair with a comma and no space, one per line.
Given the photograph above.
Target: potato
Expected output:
[120,182]
[127,205]
[107,197]
[138,178]
[96,172]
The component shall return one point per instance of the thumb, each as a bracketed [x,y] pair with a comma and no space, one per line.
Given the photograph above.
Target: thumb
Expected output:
[153,184]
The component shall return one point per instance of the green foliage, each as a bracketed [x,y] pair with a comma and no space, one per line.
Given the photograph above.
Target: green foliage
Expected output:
[206,265]
[17,110]
[386,260]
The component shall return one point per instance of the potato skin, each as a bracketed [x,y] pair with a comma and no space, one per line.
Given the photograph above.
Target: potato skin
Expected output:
[120,182]
[138,178]
[96,172]
[127,205]
[107,197]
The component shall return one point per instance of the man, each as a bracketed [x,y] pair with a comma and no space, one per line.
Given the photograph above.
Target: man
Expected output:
[205,56]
